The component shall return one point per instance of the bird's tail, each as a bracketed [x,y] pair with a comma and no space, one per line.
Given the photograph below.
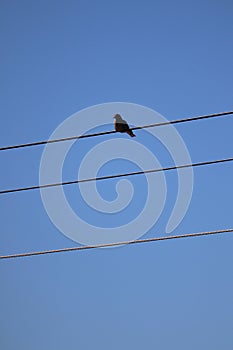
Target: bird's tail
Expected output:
[130,133]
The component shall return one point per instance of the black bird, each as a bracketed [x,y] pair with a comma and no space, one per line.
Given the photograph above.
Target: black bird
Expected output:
[122,126]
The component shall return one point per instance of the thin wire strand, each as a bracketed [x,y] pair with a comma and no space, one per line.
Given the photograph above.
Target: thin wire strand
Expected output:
[177,121]
[153,239]
[116,176]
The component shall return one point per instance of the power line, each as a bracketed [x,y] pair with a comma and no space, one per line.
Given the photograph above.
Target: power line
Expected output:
[154,239]
[177,121]
[117,176]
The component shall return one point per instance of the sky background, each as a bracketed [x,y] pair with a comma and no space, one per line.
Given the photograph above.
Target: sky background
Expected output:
[58,57]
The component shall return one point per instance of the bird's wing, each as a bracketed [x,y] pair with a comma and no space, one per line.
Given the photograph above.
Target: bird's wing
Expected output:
[124,124]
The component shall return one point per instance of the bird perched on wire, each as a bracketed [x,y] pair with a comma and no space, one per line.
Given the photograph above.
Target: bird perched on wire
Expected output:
[122,126]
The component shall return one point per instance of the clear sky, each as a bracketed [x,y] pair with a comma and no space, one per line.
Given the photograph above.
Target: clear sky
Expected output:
[58,57]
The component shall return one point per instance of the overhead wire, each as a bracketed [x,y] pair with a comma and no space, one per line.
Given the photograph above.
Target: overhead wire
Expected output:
[198,234]
[115,244]
[176,121]
[217,161]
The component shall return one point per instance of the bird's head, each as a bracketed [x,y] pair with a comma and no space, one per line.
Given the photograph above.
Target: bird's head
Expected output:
[117,117]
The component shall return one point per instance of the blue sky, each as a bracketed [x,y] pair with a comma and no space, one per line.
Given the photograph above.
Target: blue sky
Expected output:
[58,57]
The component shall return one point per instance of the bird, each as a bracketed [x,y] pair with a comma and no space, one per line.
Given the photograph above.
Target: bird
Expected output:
[122,126]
